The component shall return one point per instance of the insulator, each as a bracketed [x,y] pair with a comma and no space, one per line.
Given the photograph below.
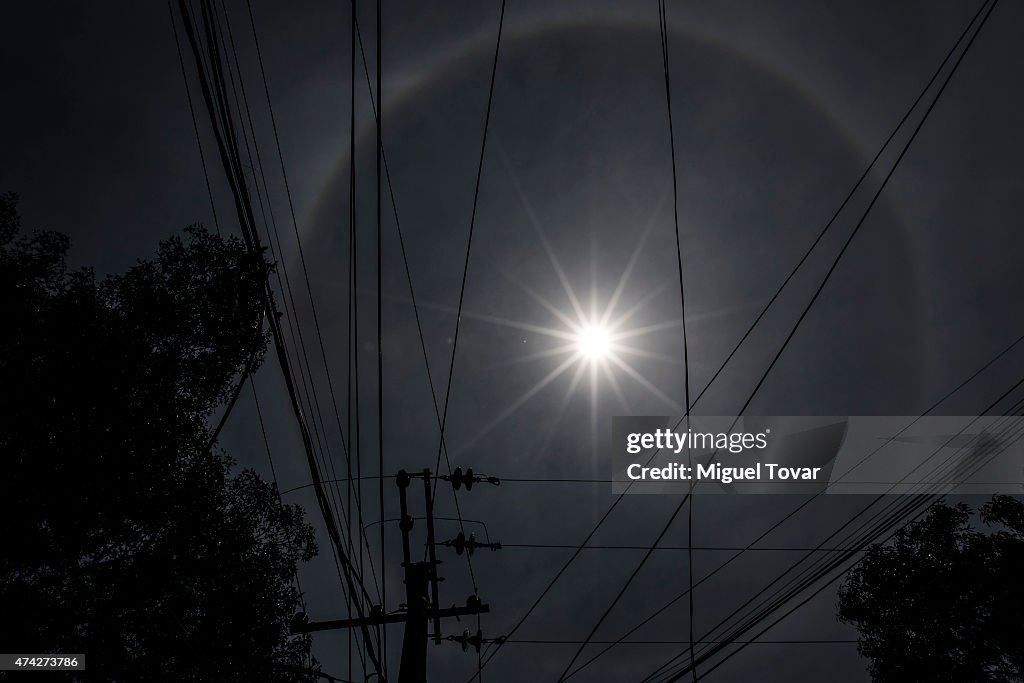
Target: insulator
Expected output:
[456,478]
[461,544]
[476,640]
[467,639]
[460,478]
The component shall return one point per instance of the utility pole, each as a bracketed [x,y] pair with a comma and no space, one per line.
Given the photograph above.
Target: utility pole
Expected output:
[422,607]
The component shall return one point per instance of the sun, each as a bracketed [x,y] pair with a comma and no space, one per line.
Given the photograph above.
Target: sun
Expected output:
[594,342]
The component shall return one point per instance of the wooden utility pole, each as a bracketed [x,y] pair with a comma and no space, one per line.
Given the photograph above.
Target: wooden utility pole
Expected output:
[421,593]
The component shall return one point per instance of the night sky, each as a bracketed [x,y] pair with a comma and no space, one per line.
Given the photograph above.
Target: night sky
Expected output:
[777,108]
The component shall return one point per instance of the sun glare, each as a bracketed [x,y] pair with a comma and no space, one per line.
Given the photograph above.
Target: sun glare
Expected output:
[594,342]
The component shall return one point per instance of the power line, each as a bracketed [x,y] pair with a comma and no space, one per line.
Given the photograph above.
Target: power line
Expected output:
[381,477]
[412,295]
[781,349]
[663,27]
[257,166]
[408,274]
[227,146]
[462,293]
[890,524]
[871,204]
[192,113]
[469,240]
[860,223]
[380,334]
[212,20]
[277,488]
[898,515]
[309,388]
[753,544]
[350,300]
[295,227]
[353,340]
[765,309]
[336,494]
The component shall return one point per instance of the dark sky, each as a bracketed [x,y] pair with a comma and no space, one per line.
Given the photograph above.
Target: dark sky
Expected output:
[777,106]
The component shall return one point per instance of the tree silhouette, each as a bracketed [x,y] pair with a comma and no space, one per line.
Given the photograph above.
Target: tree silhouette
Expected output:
[125,535]
[943,601]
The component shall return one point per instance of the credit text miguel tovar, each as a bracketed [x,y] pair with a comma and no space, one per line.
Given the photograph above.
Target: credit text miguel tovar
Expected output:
[668,440]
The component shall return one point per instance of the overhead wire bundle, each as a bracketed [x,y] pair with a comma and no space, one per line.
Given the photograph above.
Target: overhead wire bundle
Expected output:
[974,24]
[208,47]
[226,100]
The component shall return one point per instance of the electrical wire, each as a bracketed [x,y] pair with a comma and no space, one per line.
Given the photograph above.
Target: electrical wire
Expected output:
[305,375]
[472,227]
[663,27]
[227,146]
[380,334]
[753,544]
[795,327]
[192,114]
[897,515]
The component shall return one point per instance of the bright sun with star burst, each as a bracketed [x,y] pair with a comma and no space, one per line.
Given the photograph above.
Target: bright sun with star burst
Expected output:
[594,342]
